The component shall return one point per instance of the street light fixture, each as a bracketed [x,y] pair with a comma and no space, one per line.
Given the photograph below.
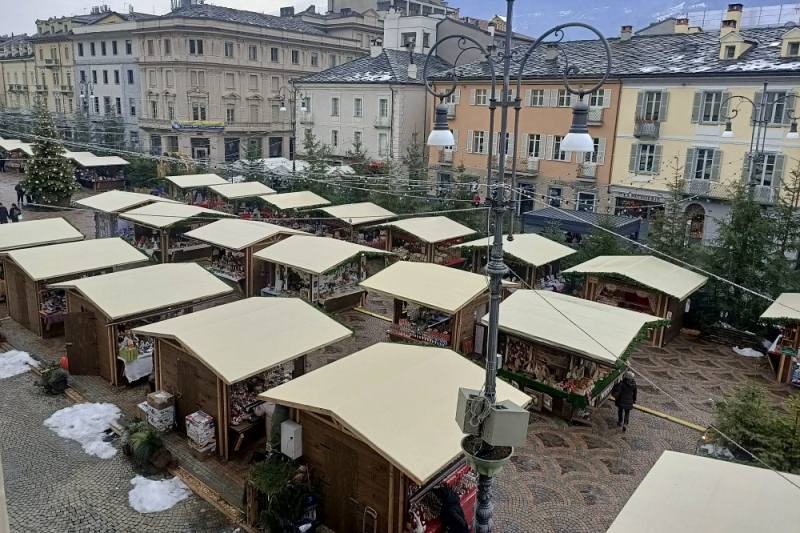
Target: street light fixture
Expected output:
[288,98]
[578,140]
[793,131]
[728,130]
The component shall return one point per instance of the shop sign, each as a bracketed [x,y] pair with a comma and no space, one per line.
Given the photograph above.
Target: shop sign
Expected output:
[639,196]
[198,125]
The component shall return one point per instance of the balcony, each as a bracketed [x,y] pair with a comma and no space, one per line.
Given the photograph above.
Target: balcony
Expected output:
[646,129]
[528,166]
[446,156]
[765,194]
[16,87]
[595,116]
[51,62]
[587,171]
[508,161]
[705,188]
[383,122]
[451,110]
[41,88]
[305,117]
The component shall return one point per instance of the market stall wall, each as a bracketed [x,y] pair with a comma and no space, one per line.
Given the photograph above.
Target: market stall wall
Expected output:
[90,340]
[464,340]
[22,296]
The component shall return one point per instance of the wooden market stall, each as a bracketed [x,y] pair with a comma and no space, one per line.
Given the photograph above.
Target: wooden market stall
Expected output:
[40,308]
[192,188]
[161,226]
[642,283]
[219,359]
[102,311]
[287,205]
[233,243]
[18,153]
[784,313]
[567,366]
[535,258]
[426,239]
[107,206]
[98,173]
[319,270]
[433,304]
[378,433]
[357,223]
[238,198]
[691,494]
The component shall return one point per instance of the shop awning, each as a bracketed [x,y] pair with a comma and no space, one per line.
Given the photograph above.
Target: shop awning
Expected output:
[315,255]
[163,215]
[539,316]
[646,270]
[295,200]
[37,233]
[435,286]
[238,234]
[90,160]
[358,214]
[529,248]
[399,399]
[581,222]
[72,258]
[193,181]
[692,494]
[147,289]
[118,201]
[11,145]
[432,229]
[243,189]
[785,307]
[244,338]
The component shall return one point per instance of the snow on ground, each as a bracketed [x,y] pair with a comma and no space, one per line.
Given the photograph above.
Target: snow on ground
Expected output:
[14,362]
[86,423]
[747,352]
[152,496]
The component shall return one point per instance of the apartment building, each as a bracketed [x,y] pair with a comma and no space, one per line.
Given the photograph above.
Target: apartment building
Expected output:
[17,74]
[405,7]
[362,27]
[214,79]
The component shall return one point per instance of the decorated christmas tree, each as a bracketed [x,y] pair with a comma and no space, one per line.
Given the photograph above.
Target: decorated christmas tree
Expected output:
[50,178]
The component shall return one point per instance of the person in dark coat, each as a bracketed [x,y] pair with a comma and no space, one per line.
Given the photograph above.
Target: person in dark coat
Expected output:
[20,193]
[451,515]
[14,213]
[3,214]
[625,398]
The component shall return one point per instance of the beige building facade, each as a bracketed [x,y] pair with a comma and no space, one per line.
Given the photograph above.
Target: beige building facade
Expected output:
[17,75]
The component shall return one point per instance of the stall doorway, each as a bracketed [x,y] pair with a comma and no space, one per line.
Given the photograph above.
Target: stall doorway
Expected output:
[81,342]
[696,220]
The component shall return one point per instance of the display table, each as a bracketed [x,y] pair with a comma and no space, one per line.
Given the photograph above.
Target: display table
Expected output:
[241,430]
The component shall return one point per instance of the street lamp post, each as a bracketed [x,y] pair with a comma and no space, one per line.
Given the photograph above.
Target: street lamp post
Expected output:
[577,140]
[291,100]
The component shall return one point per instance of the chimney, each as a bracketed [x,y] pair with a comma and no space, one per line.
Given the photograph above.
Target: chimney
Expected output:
[376,47]
[728,26]
[682,25]
[625,33]
[695,29]
[734,12]
[551,52]
[412,71]
[287,11]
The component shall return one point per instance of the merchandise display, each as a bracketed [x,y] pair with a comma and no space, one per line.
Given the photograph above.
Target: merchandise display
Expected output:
[463,481]
[244,395]
[136,354]
[227,264]
[344,278]
[53,303]
[627,298]
[420,324]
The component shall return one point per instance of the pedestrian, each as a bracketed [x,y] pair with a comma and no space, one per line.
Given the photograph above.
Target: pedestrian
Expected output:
[15,213]
[625,398]
[3,214]
[3,156]
[20,193]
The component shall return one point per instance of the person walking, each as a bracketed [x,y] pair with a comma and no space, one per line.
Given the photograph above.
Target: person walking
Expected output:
[3,214]
[20,193]
[625,398]
[3,156]
[14,213]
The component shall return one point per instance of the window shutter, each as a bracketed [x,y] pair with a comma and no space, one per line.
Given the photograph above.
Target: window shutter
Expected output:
[523,146]
[745,167]
[633,158]
[724,107]
[510,144]
[528,97]
[716,162]
[494,142]
[662,112]
[472,97]
[550,97]
[607,98]
[757,99]
[601,151]
[548,147]
[777,173]
[657,159]
[788,109]
[696,104]
[688,168]
[455,137]
[470,140]
[457,96]
[640,104]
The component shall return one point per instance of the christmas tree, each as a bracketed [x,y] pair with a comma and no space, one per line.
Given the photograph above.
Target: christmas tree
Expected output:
[50,178]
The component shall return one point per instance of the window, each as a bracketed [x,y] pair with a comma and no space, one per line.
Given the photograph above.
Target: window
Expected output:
[69,78]
[357,138]
[167,47]
[230,80]
[586,201]
[66,52]
[275,111]
[134,138]
[151,75]
[58,104]
[82,75]
[255,111]
[170,111]
[730,52]
[275,83]
[358,107]
[172,143]
[132,107]
[793,49]
[118,105]
[196,46]
[252,52]
[105,77]
[775,106]
[479,142]
[558,153]
[169,78]
[332,60]
[598,98]
[94,77]
[91,49]
[383,144]
[97,105]
[768,172]
[102,48]
[230,113]
[128,47]
[155,144]
[480,97]
[151,47]
[116,77]
[228,49]
[335,106]
[408,38]
[107,105]
[253,82]
[710,102]
[536,98]
[130,77]
[554,196]
[651,109]
[334,138]
[114,47]
[56,79]
[645,159]
[314,59]
[703,164]
[232,148]
[153,109]
[198,111]
[534,145]
[80,49]
[426,39]
[383,108]
[273,54]
[564,98]
[593,156]
[295,57]
[197,78]
[305,104]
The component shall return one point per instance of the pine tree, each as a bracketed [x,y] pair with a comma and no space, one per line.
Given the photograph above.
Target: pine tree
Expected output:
[601,242]
[50,178]
[82,127]
[111,132]
[668,229]
[787,217]
[252,168]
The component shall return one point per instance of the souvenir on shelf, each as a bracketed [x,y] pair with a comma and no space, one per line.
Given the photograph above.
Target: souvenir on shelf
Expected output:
[53,302]
[228,264]
[244,395]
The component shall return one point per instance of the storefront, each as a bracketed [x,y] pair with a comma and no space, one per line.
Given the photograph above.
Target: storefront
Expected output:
[319,270]
[284,209]
[158,230]
[564,370]
[426,239]
[642,283]
[17,153]
[98,173]
[29,272]
[784,314]
[233,243]
[357,223]
[218,360]
[378,434]
[433,304]
[108,205]
[240,199]
[192,188]
[530,256]
[102,311]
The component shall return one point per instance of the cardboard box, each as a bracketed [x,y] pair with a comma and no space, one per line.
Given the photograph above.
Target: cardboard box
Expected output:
[204,452]
[160,400]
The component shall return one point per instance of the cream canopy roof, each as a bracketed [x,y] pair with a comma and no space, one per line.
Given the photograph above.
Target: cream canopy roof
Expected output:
[118,201]
[193,181]
[247,337]
[37,233]
[72,258]
[89,160]
[646,270]
[163,215]
[785,307]
[295,200]
[315,255]
[142,290]
[358,214]
[399,399]
[15,144]
[530,248]
[238,234]
[432,229]
[537,316]
[690,494]
[438,287]
[243,189]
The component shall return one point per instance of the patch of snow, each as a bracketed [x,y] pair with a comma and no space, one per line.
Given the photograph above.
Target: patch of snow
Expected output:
[776,43]
[763,64]
[714,450]
[86,423]
[371,76]
[676,58]
[648,69]
[747,352]
[152,496]
[697,60]
[15,362]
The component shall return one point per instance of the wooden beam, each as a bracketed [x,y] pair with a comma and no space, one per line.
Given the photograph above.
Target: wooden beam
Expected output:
[391,496]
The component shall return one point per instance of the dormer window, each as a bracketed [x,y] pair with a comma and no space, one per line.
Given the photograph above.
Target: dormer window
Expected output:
[790,43]
[730,52]
[793,50]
